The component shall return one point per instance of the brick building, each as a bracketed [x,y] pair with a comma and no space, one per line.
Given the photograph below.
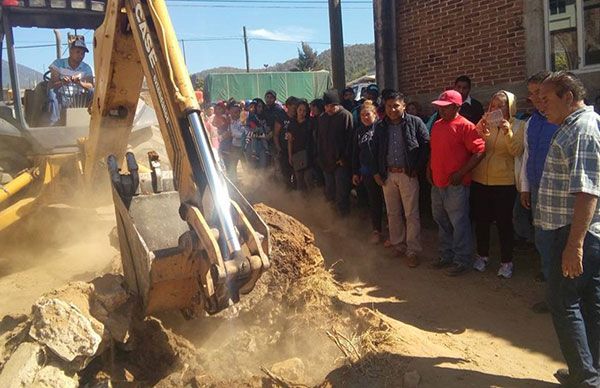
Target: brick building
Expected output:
[498,43]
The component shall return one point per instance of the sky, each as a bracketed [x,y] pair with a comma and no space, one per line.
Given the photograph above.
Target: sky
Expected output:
[211,31]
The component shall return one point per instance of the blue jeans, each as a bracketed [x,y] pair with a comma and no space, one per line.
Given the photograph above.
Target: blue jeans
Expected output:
[54,106]
[575,308]
[57,100]
[337,188]
[522,221]
[543,238]
[450,208]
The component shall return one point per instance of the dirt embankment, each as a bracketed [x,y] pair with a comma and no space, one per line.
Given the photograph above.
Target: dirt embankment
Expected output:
[292,330]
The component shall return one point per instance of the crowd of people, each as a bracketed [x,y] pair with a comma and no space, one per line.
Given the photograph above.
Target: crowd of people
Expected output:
[536,176]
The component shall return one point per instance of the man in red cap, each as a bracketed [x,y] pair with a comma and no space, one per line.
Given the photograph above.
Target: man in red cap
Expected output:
[456,149]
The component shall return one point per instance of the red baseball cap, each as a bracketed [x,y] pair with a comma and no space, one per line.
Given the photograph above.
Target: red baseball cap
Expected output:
[449,97]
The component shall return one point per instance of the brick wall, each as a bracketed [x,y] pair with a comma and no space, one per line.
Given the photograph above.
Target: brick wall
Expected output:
[441,39]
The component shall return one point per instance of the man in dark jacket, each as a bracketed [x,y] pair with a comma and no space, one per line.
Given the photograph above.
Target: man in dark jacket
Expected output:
[333,151]
[471,109]
[273,111]
[403,150]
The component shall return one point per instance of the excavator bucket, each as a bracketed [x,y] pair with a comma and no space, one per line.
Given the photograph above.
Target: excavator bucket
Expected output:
[171,257]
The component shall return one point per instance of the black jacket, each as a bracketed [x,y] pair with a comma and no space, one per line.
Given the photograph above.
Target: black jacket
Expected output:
[416,139]
[364,151]
[473,111]
[333,140]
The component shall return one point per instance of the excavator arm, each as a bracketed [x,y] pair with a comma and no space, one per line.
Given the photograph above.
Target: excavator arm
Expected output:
[188,239]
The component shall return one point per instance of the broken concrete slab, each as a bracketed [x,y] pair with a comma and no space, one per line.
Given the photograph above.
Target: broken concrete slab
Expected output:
[65,330]
[22,366]
[50,377]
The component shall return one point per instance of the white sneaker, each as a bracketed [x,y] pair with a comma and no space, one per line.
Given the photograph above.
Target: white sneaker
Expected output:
[481,263]
[506,270]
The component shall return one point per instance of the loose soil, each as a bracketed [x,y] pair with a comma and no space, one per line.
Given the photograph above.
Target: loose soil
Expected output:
[474,331]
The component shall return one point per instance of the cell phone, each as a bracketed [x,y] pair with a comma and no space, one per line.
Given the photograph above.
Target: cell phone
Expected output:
[494,118]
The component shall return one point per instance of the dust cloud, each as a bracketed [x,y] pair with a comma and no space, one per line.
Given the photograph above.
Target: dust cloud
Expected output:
[54,245]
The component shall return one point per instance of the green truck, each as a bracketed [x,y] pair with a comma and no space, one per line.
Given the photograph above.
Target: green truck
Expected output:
[246,86]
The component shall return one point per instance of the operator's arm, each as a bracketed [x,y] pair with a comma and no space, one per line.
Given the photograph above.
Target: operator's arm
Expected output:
[87,83]
[86,79]
[56,80]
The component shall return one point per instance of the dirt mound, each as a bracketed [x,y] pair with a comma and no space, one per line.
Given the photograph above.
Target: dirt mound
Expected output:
[292,330]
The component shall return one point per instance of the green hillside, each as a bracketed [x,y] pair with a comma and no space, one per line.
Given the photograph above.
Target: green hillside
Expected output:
[359,60]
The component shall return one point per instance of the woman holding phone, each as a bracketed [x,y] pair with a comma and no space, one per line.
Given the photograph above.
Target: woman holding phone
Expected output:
[493,189]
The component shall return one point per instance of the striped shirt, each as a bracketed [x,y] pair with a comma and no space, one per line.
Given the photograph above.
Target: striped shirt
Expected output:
[572,166]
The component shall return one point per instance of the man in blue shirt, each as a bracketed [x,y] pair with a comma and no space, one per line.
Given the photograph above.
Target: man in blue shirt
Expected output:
[70,77]
[537,139]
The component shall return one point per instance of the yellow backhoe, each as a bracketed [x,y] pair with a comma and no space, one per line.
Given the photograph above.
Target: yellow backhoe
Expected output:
[188,239]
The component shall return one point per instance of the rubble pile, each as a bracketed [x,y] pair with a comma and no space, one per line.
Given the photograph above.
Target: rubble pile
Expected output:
[291,330]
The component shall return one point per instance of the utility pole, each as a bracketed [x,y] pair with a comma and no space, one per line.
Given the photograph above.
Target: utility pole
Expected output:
[386,55]
[246,49]
[338,68]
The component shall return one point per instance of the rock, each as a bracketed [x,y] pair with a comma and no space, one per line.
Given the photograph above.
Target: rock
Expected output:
[22,366]
[9,322]
[100,380]
[292,369]
[81,295]
[51,376]
[13,333]
[110,292]
[65,330]
[411,379]
[119,322]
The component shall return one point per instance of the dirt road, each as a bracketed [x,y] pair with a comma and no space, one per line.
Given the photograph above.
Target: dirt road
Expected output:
[473,331]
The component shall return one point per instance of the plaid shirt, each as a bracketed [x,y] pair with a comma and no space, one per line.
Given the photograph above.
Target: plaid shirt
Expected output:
[572,166]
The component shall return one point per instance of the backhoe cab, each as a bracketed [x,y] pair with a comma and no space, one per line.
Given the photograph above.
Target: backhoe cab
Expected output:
[188,239]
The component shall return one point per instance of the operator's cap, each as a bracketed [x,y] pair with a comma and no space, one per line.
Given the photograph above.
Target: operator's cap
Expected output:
[449,97]
[80,44]
[271,92]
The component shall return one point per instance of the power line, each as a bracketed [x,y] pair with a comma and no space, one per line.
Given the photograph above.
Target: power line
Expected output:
[204,39]
[230,6]
[288,41]
[33,46]
[323,2]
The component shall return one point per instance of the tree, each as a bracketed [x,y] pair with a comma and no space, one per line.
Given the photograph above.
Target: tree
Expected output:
[307,59]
